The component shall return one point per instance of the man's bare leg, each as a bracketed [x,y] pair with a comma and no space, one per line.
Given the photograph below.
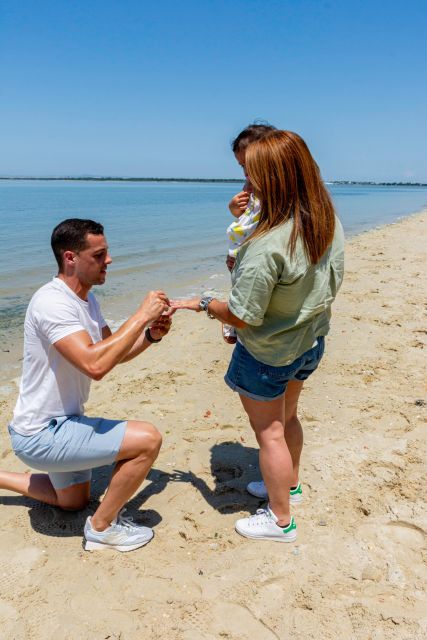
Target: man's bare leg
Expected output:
[140,448]
[32,485]
[39,487]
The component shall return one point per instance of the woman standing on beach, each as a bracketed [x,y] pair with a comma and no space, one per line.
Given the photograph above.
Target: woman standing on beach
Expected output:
[284,281]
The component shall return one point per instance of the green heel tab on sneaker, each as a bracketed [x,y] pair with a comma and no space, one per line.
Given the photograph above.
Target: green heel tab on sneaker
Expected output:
[291,526]
[296,490]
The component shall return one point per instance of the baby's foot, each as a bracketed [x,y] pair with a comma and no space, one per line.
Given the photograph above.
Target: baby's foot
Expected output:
[229,334]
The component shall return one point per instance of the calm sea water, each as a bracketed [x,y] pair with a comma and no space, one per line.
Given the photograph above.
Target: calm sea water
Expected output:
[161,235]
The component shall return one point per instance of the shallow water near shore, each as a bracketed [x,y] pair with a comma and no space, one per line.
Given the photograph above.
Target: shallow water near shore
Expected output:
[161,235]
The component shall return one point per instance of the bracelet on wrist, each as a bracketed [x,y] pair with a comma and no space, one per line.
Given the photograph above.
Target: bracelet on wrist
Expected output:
[150,337]
[204,305]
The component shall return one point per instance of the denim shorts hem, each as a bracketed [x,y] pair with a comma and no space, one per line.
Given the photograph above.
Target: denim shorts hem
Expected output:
[255,379]
[69,478]
[248,394]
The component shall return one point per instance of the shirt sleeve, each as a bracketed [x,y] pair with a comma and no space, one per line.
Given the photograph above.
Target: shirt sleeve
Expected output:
[57,318]
[100,318]
[253,285]
[102,321]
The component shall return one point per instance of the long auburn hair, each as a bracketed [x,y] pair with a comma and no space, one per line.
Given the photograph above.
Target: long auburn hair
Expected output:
[288,183]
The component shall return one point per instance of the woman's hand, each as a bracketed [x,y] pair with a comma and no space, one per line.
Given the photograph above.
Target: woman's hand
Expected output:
[193,304]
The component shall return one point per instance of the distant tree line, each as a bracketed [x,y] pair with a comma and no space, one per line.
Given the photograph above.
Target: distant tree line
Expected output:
[381,184]
[121,179]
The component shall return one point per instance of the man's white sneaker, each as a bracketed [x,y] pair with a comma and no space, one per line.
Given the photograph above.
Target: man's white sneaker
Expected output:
[122,535]
[263,525]
[259,490]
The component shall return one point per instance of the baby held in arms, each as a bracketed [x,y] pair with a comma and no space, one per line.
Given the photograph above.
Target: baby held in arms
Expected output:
[244,206]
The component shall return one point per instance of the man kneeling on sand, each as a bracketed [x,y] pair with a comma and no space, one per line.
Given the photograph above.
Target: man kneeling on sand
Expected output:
[67,343]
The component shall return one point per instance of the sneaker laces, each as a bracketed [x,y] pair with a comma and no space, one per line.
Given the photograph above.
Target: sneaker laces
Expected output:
[124,521]
[262,516]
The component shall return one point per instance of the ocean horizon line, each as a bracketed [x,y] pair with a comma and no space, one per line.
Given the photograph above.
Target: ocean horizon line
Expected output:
[92,178]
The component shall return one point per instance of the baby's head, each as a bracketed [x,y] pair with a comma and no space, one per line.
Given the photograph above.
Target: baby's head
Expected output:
[250,134]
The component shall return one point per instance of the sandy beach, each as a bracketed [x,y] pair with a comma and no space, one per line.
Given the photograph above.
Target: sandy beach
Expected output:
[357,570]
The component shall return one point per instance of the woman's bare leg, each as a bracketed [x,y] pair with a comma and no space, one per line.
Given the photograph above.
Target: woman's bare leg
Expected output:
[293,430]
[266,420]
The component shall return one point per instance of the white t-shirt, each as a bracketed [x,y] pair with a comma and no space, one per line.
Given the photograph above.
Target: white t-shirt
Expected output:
[50,385]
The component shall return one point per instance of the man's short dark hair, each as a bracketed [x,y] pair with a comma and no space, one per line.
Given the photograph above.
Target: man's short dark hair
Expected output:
[70,235]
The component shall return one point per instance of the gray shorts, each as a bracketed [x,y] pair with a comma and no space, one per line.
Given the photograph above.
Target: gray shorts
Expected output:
[70,447]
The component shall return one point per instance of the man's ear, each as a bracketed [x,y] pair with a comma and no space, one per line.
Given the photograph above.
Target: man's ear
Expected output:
[69,257]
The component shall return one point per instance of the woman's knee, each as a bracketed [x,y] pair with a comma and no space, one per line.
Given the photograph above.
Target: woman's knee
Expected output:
[270,434]
[292,421]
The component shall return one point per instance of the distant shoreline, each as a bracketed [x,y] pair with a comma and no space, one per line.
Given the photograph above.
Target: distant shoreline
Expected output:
[204,180]
[117,179]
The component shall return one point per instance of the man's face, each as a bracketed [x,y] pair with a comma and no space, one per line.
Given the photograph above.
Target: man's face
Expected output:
[92,261]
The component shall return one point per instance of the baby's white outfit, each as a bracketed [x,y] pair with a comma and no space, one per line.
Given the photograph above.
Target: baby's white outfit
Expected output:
[244,226]
[237,233]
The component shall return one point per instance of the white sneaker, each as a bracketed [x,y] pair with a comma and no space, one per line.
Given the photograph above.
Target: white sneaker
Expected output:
[259,490]
[263,525]
[122,535]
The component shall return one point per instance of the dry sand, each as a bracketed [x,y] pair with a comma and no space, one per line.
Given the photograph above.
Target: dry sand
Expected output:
[356,570]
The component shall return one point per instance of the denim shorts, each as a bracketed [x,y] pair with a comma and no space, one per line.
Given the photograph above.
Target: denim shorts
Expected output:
[70,447]
[259,381]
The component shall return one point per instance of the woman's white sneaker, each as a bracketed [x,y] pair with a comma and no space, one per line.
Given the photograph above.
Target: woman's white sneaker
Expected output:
[259,490]
[122,535]
[263,526]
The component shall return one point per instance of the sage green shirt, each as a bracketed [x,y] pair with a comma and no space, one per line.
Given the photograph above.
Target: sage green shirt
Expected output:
[286,302]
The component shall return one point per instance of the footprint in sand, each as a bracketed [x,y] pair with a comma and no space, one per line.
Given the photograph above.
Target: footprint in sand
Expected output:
[53,524]
[15,571]
[401,544]
[225,472]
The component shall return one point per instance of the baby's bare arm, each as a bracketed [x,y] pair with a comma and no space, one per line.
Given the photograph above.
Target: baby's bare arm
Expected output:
[238,203]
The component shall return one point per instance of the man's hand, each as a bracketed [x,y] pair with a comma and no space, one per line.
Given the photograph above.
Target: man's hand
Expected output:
[162,326]
[154,304]
[238,203]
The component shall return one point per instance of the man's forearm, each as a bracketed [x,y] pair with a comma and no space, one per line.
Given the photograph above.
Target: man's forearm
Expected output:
[139,346]
[97,359]
[114,349]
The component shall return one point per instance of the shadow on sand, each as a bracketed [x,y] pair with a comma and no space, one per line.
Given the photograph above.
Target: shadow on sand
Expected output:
[232,466]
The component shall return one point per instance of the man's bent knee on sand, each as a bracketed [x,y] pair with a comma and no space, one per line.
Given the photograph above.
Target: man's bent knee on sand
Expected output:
[67,343]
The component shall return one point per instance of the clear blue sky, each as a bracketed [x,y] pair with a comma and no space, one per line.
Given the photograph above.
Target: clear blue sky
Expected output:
[143,88]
